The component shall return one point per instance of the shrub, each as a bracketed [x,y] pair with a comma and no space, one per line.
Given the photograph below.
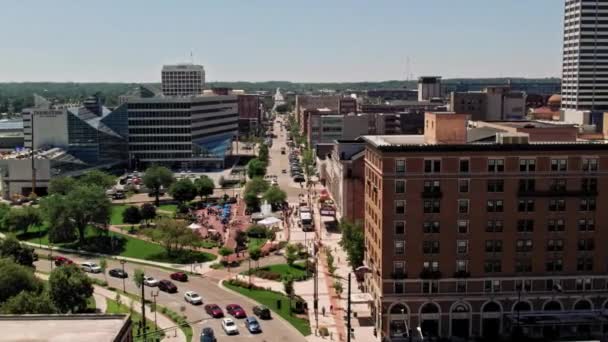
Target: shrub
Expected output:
[99,282]
[323,331]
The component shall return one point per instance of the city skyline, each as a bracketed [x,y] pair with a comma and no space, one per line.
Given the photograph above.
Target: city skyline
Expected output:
[315,42]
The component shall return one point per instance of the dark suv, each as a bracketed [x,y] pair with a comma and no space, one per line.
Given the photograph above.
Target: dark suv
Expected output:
[262,312]
[167,286]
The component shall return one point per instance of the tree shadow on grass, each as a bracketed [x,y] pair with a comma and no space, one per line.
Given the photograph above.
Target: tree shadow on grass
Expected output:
[113,245]
[31,234]
[183,257]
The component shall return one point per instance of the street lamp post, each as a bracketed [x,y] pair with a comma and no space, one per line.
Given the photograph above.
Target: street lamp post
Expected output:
[122,264]
[348,327]
[154,295]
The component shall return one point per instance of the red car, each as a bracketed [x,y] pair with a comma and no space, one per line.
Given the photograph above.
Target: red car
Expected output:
[59,261]
[214,310]
[236,311]
[179,276]
[167,286]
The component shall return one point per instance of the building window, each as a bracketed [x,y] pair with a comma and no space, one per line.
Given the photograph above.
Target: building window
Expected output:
[430,247]
[583,284]
[558,185]
[584,264]
[590,164]
[462,265]
[555,245]
[496,165]
[430,286]
[523,245]
[399,247]
[553,284]
[463,226]
[463,206]
[527,185]
[399,227]
[399,186]
[461,286]
[525,226]
[496,185]
[557,205]
[400,166]
[493,246]
[523,285]
[556,225]
[555,265]
[589,184]
[399,287]
[430,266]
[559,165]
[587,204]
[527,165]
[431,206]
[464,165]
[586,244]
[430,227]
[491,286]
[399,207]
[462,246]
[525,206]
[432,186]
[494,226]
[399,267]
[494,206]
[432,165]
[463,185]
[523,266]
[492,266]
[586,225]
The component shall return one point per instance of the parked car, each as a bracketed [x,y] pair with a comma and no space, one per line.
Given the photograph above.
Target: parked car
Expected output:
[229,326]
[167,286]
[214,310]
[193,298]
[91,267]
[118,273]
[252,325]
[274,183]
[236,311]
[207,335]
[150,281]
[59,261]
[262,312]
[179,276]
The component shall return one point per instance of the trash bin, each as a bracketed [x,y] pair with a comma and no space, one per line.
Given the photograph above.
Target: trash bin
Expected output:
[278,304]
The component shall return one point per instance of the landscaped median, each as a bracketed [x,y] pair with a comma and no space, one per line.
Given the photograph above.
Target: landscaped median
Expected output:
[271,299]
[280,272]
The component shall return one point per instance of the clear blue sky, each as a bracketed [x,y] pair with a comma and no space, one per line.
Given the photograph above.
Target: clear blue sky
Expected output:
[257,40]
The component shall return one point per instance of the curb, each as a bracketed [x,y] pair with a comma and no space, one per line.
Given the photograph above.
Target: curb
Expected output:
[275,316]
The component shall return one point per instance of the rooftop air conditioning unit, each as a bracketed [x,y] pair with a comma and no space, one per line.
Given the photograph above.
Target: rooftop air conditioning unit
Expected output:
[512,138]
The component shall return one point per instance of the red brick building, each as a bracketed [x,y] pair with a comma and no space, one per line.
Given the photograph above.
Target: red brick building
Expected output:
[478,239]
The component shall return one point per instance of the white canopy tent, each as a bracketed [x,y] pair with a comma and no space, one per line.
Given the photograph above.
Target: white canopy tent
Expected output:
[194,226]
[269,221]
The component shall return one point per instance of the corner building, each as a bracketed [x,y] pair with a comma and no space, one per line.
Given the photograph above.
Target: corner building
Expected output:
[479,239]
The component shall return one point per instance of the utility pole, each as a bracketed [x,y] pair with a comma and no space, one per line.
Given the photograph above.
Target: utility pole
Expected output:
[154,297]
[143,311]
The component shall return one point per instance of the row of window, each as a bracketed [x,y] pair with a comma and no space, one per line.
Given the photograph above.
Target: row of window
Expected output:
[498,185]
[433,206]
[496,246]
[498,165]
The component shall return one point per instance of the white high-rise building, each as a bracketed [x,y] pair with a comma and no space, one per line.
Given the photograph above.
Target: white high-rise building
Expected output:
[585,59]
[183,80]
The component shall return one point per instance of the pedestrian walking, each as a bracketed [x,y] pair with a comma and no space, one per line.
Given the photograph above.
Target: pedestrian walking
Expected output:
[323,311]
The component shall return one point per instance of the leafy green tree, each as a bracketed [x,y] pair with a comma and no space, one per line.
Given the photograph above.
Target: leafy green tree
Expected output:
[61,227]
[61,185]
[288,287]
[291,254]
[353,242]
[275,196]
[263,153]
[21,219]
[157,177]
[241,239]
[183,190]
[251,199]
[28,303]
[21,254]
[148,212]
[97,178]
[256,185]
[70,289]
[174,235]
[255,253]
[131,215]
[138,277]
[16,278]
[204,186]
[4,209]
[224,253]
[308,162]
[256,168]
[257,231]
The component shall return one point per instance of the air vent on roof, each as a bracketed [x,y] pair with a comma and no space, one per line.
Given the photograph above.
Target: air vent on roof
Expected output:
[512,138]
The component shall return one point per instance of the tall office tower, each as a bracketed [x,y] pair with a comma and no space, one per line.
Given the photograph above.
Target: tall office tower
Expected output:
[183,79]
[429,87]
[585,59]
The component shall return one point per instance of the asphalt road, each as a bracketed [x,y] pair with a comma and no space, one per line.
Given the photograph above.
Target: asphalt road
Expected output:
[273,330]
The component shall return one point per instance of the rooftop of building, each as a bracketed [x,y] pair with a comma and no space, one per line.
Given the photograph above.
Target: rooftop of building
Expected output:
[54,153]
[532,124]
[62,328]
[182,66]
[181,99]
[11,124]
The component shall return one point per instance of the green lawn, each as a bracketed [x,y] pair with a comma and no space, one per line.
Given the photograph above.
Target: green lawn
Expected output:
[119,244]
[284,271]
[115,308]
[256,242]
[116,215]
[270,299]
[168,207]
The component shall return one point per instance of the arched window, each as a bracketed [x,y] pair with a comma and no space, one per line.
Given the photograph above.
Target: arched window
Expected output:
[552,306]
[399,309]
[429,308]
[460,308]
[582,304]
[491,307]
[522,306]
